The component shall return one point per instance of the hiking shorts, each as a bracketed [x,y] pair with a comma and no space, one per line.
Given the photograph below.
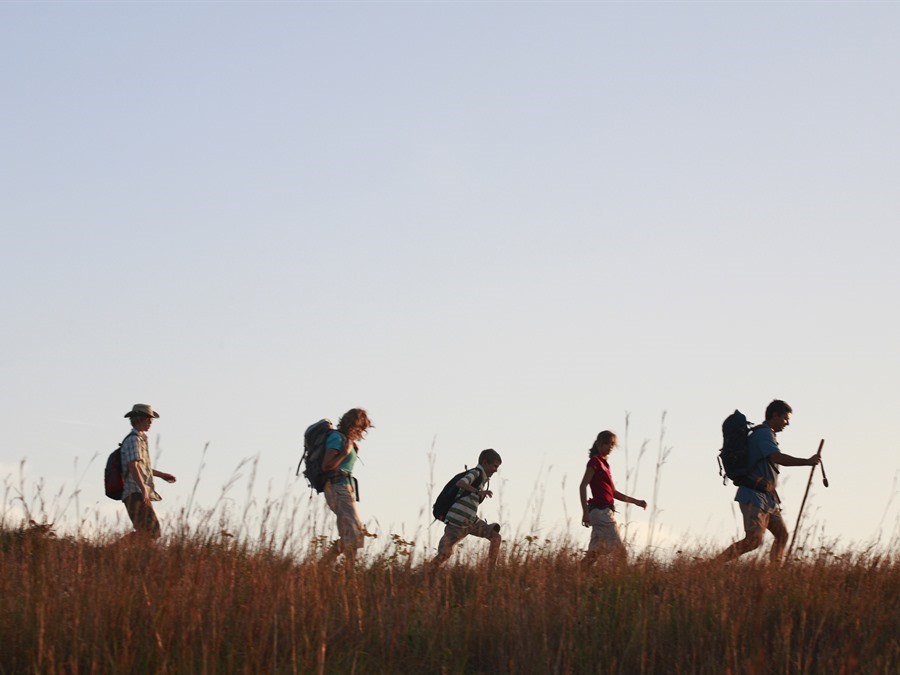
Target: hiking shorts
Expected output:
[142,517]
[604,531]
[341,499]
[453,535]
[757,521]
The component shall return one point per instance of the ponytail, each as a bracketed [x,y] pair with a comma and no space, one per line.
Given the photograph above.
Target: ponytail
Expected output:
[603,438]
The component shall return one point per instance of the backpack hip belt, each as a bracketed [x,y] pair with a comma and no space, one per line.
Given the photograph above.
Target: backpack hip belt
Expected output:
[331,476]
[351,480]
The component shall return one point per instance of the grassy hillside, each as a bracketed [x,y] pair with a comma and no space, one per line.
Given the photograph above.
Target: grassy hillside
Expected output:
[201,606]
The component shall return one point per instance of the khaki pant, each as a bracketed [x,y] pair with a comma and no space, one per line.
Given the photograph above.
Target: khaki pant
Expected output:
[341,499]
[605,532]
[142,517]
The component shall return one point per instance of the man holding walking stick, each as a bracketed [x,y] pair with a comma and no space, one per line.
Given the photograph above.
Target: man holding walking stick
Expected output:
[761,506]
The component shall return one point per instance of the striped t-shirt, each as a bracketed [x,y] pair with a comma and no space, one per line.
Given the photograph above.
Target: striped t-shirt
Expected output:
[464,511]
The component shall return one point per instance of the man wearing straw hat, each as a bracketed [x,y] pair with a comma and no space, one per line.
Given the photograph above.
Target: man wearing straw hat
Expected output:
[139,493]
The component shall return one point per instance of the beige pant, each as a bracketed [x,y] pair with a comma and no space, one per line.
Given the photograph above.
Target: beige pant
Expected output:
[142,517]
[341,499]
[604,532]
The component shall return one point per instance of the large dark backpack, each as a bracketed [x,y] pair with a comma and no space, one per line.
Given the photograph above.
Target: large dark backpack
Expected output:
[450,494]
[734,464]
[314,452]
[113,476]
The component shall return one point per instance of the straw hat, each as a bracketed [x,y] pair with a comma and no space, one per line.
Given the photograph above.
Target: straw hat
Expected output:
[142,409]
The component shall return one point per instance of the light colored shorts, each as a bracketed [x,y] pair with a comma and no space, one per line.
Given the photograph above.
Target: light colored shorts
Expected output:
[757,521]
[453,535]
[604,531]
[341,499]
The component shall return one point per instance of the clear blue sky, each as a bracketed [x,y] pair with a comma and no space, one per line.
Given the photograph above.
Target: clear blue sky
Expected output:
[491,224]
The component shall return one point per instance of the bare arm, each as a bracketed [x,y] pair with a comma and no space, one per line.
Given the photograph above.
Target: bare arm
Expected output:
[622,497]
[169,478]
[467,487]
[582,495]
[789,460]
[333,459]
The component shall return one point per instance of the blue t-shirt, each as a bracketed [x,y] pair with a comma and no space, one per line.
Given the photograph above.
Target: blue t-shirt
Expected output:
[336,441]
[760,446]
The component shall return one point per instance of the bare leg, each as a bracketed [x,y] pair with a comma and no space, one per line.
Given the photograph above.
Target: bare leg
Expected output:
[495,540]
[749,543]
[755,523]
[446,546]
[779,530]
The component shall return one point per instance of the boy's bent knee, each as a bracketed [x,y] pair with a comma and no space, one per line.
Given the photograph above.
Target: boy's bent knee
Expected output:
[495,534]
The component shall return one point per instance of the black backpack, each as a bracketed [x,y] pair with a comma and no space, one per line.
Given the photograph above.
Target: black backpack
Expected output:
[734,457]
[314,452]
[113,477]
[734,460]
[734,464]
[450,494]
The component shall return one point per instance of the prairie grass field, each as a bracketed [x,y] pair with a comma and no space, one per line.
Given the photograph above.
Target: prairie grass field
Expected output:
[210,603]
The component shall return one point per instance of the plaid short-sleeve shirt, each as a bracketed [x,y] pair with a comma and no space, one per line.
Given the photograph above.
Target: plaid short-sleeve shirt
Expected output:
[135,448]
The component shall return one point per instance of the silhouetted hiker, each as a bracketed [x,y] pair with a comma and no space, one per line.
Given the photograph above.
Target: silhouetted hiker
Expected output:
[761,506]
[462,517]
[341,492]
[598,512]
[139,492]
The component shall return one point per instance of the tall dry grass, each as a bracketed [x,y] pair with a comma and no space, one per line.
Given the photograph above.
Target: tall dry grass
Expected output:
[202,605]
[243,590]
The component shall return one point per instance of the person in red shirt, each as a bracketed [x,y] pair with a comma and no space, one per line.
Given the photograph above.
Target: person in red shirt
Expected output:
[598,512]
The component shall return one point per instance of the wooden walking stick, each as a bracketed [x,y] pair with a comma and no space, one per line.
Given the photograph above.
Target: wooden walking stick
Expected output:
[803,503]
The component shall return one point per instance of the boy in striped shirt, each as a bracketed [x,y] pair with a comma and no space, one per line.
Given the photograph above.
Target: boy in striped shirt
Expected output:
[462,518]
